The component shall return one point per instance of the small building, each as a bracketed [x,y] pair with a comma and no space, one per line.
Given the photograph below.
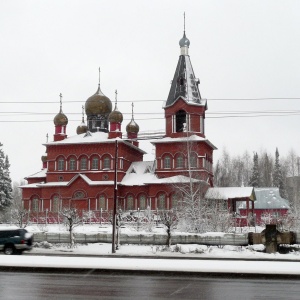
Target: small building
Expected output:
[269,206]
[231,198]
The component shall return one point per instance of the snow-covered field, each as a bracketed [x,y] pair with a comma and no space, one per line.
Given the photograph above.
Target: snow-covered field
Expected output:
[246,260]
[184,251]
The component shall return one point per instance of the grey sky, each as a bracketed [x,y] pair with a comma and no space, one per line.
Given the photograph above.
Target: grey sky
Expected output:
[239,49]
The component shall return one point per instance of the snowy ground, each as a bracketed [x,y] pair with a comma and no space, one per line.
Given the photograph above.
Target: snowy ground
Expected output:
[248,259]
[195,251]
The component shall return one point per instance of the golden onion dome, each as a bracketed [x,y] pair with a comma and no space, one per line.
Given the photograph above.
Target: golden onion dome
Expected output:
[82,128]
[98,104]
[132,127]
[115,116]
[60,119]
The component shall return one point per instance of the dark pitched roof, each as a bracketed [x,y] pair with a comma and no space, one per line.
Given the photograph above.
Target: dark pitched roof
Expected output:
[184,83]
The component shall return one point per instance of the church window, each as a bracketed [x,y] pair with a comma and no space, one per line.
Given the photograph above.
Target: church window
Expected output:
[35,204]
[95,163]
[175,200]
[106,163]
[102,202]
[78,195]
[55,203]
[72,164]
[142,202]
[60,164]
[193,160]
[180,121]
[83,163]
[179,161]
[161,201]
[167,162]
[201,124]
[129,202]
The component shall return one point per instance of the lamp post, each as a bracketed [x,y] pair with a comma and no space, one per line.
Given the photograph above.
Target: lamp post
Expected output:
[115,200]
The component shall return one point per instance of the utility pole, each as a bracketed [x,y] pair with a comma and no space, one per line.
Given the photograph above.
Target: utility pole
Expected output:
[115,200]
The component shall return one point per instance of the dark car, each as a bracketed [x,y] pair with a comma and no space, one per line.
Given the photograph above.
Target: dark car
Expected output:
[14,241]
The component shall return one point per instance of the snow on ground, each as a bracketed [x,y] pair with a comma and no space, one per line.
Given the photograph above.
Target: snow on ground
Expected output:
[153,257]
[201,251]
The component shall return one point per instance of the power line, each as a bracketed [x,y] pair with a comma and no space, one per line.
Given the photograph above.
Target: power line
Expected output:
[154,100]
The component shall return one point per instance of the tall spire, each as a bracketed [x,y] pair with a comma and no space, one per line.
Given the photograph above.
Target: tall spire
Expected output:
[184,83]
[184,43]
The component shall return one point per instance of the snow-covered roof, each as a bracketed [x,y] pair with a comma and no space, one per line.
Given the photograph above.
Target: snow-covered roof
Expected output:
[142,173]
[39,174]
[139,173]
[67,183]
[268,198]
[190,90]
[192,138]
[225,193]
[92,138]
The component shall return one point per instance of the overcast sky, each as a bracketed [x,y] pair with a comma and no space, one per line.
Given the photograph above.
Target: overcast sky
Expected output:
[239,49]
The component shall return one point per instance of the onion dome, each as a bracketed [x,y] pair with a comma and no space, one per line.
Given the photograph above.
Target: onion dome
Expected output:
[98,104]
[44,158]
[184,42]
[82,128]
[60,119]
[115,116]
[132,126]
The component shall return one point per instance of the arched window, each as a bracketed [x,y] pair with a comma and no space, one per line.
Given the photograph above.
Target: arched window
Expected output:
[193,160]
[161,201]
[83,163]
[79,195]
[106,162]
[55,203]
[60,164]
[167,162]
[102,202]
[179,161]
[129,202]
[95,163]
[35,204]
[72,164]
[142,202]
[180,121]
[175,200]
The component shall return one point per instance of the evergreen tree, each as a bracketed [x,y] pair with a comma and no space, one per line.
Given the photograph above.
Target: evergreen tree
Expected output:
[278,180]
[5,181]
[255,177]
[266,171]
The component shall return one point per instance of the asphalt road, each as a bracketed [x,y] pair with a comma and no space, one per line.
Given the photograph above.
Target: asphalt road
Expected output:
[25,285]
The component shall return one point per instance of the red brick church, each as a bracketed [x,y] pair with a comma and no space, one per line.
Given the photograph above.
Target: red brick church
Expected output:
[79,170]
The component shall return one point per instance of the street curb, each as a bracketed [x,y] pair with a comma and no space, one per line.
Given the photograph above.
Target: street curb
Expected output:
[88,271]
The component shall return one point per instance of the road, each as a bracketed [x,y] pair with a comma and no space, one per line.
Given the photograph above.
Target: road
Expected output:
[19,285]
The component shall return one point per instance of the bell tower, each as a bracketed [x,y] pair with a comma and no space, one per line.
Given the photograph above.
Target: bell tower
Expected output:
[185,109]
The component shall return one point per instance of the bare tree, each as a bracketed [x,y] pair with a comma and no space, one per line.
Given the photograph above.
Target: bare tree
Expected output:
[169,218]
[71,219]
